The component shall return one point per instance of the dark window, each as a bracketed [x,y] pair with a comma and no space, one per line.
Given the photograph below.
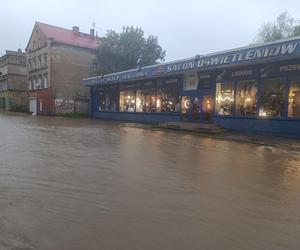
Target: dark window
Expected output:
[273,96]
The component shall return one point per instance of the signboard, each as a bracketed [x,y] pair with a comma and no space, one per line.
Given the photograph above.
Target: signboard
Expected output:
[243,56]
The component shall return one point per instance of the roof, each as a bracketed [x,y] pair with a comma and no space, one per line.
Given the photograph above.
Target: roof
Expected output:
[68,36]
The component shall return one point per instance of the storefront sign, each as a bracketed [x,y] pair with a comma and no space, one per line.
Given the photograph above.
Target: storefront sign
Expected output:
[241,73]
[292,67]
[249,55]
[259,54]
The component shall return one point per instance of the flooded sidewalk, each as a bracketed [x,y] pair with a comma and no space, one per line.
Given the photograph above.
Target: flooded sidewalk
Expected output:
[93,184]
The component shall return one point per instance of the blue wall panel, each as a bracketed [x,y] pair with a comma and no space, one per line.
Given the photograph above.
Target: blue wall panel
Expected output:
[284,127]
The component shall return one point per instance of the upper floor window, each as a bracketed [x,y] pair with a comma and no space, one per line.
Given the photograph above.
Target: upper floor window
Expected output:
[34,63]
[29,84]
[45,59]
[39,61]
[29,64]
[45,81]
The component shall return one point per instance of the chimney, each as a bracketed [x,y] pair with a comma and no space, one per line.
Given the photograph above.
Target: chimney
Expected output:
[92,32]
[75,29]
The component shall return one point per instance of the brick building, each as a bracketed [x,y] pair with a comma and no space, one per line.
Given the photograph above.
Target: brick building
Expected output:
[13,81]
[57,60]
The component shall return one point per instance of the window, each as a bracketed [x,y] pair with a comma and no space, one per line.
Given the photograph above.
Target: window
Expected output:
[29,84]
[168,98]
[95,67]
[34,83]
[45,59]
[246,98]
[29,64]
[102,101]
[146,100]
[39,43]
[224,98]
[34,63]
[108,99]
[39,61]
[45,81]
[39,82]
[127,101]
[294,98]
[273,96]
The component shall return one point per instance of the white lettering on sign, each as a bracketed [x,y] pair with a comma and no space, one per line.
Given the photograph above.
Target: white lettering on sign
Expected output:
[278,50]
[292,67]
[242,73]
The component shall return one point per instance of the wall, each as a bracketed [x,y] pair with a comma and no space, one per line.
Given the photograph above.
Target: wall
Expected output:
[69,66]
[272,126]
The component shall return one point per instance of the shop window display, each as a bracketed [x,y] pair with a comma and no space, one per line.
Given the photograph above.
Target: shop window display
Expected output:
[108,100]
[127,101]
[224,98]
[246,98]
[273,97]
[146,100]
[168,98]
[102,101]
[294,98]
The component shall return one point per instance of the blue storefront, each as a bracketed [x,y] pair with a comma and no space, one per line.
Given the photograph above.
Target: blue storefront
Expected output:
[255,88]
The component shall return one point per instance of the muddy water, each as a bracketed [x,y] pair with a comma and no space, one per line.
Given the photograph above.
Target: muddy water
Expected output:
[83,184]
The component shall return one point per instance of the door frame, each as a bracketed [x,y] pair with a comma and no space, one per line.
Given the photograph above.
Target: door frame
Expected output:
[200,97]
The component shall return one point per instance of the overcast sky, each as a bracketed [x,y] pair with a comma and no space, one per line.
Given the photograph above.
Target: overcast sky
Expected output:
[184,27]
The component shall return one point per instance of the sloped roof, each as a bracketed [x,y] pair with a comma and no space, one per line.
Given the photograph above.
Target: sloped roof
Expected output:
[69,37]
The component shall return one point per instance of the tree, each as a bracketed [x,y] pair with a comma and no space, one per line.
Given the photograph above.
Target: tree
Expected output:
[283,27]
[127,50]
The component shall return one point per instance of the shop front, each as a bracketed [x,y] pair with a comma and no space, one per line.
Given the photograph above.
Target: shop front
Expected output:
[255,88]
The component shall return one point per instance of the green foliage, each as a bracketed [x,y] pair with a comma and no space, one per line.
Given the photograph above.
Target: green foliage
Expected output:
[283,27]
[127,50]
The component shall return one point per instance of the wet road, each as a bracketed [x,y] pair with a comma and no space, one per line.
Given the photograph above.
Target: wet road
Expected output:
[83,184]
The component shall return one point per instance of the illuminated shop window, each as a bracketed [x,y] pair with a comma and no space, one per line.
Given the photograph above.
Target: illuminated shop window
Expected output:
[168,98]
[246,98]
[127,101]
[146,100]
[185,107]
[224,98]
[273,96]
[294,98]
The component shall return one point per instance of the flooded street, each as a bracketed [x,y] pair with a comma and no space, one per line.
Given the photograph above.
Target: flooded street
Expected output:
[84,184]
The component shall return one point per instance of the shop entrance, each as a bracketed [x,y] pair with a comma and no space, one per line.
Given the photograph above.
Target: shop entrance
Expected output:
[196,108]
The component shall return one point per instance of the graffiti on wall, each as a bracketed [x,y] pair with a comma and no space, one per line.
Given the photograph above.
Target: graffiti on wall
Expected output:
[64,105]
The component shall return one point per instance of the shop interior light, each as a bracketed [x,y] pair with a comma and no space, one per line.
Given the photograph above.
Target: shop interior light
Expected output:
[248,100]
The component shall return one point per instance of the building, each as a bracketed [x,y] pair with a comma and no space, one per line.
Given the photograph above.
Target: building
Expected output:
[57,60]
[13,81]
[254,88]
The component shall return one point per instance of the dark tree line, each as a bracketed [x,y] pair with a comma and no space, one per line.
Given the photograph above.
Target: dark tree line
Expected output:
[127,50]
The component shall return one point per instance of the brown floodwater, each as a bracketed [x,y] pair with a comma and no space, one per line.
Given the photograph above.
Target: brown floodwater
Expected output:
[90,184]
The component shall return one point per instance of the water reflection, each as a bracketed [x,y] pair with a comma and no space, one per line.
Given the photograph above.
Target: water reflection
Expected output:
[84,184]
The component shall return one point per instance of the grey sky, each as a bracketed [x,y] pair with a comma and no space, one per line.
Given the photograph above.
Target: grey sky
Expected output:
[184,28]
